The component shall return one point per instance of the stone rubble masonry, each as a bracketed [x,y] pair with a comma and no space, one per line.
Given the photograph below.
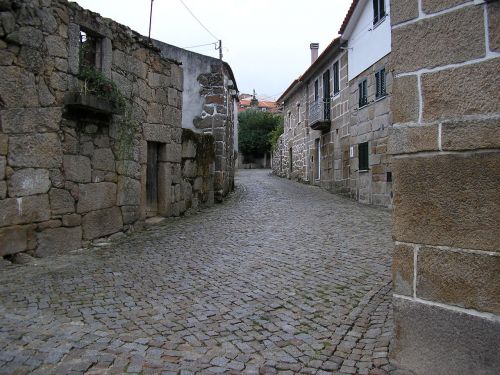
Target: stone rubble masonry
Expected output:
[446,164]
[217,118]
[65,174]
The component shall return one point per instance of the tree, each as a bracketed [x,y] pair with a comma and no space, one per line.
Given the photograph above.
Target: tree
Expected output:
[255,128]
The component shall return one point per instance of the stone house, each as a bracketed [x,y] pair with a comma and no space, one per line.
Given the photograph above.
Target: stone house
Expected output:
[445,148]
[316,120]
[211,102]
[91,141]
[337,114]
[367,32]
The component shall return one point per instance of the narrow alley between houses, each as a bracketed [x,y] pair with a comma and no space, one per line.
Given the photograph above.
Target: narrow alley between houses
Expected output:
[281,278]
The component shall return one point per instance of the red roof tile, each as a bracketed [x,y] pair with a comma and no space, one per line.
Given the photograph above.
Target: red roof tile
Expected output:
[348,16]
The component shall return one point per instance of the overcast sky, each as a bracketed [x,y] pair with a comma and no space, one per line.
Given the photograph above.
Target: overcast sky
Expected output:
[266,42]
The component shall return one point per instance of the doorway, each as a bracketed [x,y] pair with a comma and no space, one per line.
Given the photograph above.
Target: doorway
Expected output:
[317,156]
[152,179]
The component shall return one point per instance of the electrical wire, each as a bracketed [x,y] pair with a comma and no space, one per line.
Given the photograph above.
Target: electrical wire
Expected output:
[202,45]
[196,18]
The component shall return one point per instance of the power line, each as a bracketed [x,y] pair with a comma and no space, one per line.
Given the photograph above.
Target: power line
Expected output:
[202,45]
[196,18]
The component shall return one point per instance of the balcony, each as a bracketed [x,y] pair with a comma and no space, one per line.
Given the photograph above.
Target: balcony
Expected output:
[319,115]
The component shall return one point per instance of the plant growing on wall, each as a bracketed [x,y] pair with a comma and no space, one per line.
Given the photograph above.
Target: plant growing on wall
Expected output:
[95,83]
[275,135]
[255,129]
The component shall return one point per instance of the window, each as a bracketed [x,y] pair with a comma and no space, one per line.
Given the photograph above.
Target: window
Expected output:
[289,119]
[363,93]
[378,10]
[316,91]
[299,118]
[363,156]
[336,78]
[89,50]
[380,83]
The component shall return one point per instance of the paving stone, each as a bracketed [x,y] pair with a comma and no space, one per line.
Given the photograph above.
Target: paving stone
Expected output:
[229,290]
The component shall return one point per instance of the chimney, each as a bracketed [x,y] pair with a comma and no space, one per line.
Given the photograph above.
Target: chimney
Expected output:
[314,52]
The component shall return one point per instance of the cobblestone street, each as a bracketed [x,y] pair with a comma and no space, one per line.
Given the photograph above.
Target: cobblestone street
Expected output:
[281,278]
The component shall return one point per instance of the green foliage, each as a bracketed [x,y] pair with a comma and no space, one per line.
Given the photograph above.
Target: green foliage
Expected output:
[96,83]
[128,131]
[275,134]
[255,128]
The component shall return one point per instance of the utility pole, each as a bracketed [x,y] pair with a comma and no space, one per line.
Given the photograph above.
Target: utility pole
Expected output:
[150,18]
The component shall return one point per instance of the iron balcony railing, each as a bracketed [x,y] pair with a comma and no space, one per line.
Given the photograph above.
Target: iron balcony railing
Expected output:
[319,111]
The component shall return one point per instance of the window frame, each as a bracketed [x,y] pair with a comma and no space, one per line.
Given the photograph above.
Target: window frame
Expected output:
[336,78]
[380,84]
[379,11]
[363,93]
[94,40]
[316,91]
[363,156]
[299,117]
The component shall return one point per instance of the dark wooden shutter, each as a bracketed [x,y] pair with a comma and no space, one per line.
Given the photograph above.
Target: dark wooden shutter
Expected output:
[336,78]
[360,93]
[375,11]
[382,82]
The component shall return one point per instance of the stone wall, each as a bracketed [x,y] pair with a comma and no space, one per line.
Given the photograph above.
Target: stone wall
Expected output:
[296,136]
[446,147]
[277,160]
[198,167]
[219,119]
[371,123]
[75,167]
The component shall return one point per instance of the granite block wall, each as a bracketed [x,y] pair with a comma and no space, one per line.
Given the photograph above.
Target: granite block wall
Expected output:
[446,163]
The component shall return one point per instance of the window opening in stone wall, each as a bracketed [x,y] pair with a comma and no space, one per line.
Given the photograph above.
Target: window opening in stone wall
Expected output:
[290,161]
[378,10]
[336,78]
[316,91]
[299,119]
[363,94]
[89,50]
[152,178]
[363,156]
[380,84]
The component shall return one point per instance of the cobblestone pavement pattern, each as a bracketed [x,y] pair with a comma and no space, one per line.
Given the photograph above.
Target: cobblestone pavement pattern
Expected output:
[281,278]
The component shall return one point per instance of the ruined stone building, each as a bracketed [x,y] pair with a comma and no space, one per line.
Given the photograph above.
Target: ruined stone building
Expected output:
[98,128]
[337,116]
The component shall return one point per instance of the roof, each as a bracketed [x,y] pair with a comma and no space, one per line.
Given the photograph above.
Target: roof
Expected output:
[320,61]
[271,106]
[348,16]
[289,90]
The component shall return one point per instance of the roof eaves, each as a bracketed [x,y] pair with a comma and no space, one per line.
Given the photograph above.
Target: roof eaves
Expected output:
[348,16]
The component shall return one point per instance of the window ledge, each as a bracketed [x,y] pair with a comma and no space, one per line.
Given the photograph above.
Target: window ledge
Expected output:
[363,170]
[381,98]
[379,22]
